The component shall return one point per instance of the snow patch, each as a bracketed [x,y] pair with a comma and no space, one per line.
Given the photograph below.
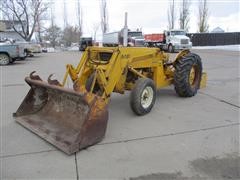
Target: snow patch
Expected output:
[225,47]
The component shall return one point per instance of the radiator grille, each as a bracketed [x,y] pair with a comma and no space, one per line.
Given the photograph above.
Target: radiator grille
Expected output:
[184,41]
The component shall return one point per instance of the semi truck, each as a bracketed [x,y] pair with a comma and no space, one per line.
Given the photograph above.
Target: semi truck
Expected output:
[171,40]
[134,38]
[85,42]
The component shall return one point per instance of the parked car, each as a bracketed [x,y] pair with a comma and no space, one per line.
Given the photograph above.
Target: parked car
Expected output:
[26,47]
[44,49]
[22,48]
[8,53]
[35,48]
[23,51]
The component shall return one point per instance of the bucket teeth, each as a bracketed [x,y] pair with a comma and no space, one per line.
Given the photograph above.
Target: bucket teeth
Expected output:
[53,81]
[34,77]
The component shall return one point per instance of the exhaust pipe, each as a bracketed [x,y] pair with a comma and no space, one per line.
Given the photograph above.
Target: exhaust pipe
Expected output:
[125,32]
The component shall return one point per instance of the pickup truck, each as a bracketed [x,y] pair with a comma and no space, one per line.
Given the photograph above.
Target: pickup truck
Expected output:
[8,53]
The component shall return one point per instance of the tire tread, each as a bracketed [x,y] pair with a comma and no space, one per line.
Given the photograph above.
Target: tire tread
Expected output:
[182,70]
[135,96]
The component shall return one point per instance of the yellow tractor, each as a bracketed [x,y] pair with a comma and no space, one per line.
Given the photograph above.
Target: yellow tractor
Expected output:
[73,119]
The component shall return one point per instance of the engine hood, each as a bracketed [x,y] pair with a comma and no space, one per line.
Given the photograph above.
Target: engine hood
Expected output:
[139,38]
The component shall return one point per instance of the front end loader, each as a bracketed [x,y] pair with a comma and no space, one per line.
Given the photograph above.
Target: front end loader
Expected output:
[73,119]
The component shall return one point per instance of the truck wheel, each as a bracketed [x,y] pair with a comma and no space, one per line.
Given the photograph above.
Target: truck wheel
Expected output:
[187,76]
[170,48]
[143,96]
[4,59]
[89,82]
[84,47]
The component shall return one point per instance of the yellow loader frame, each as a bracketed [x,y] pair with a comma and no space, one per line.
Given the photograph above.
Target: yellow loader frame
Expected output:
[111,75]
[73,119]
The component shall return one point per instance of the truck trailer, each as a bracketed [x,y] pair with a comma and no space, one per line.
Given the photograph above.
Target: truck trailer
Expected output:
[112,39]
[172,40]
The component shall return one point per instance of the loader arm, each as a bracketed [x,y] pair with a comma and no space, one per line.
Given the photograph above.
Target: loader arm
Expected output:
[74,72]
[106,74]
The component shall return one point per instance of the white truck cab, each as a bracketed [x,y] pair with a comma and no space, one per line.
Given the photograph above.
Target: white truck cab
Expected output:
[176,39]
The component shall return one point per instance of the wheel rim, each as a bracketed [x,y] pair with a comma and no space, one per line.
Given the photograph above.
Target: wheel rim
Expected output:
[4,60]
[193,76]
[147,97]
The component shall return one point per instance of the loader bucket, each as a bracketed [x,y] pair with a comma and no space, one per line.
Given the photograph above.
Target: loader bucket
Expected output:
[67,119]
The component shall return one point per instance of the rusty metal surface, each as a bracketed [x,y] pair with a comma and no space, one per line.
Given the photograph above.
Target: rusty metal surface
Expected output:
[34,77]
[53,81]
[67,119]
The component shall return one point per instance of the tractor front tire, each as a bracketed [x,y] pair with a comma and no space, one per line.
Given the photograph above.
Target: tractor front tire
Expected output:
[143,96]
[187,76]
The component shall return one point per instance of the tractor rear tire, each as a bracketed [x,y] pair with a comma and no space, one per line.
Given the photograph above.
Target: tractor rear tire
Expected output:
[187,76]
[143,96]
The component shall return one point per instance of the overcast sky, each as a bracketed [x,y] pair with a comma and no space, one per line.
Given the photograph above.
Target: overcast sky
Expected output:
[150,15]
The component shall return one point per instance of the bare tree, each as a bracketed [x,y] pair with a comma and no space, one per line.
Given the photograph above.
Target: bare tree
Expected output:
[79,16]
[104,17]
[38,29]
[71,35]
[53,34]
[24,12]
[184,15]
[203,16]
[171,15]
[95,29]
